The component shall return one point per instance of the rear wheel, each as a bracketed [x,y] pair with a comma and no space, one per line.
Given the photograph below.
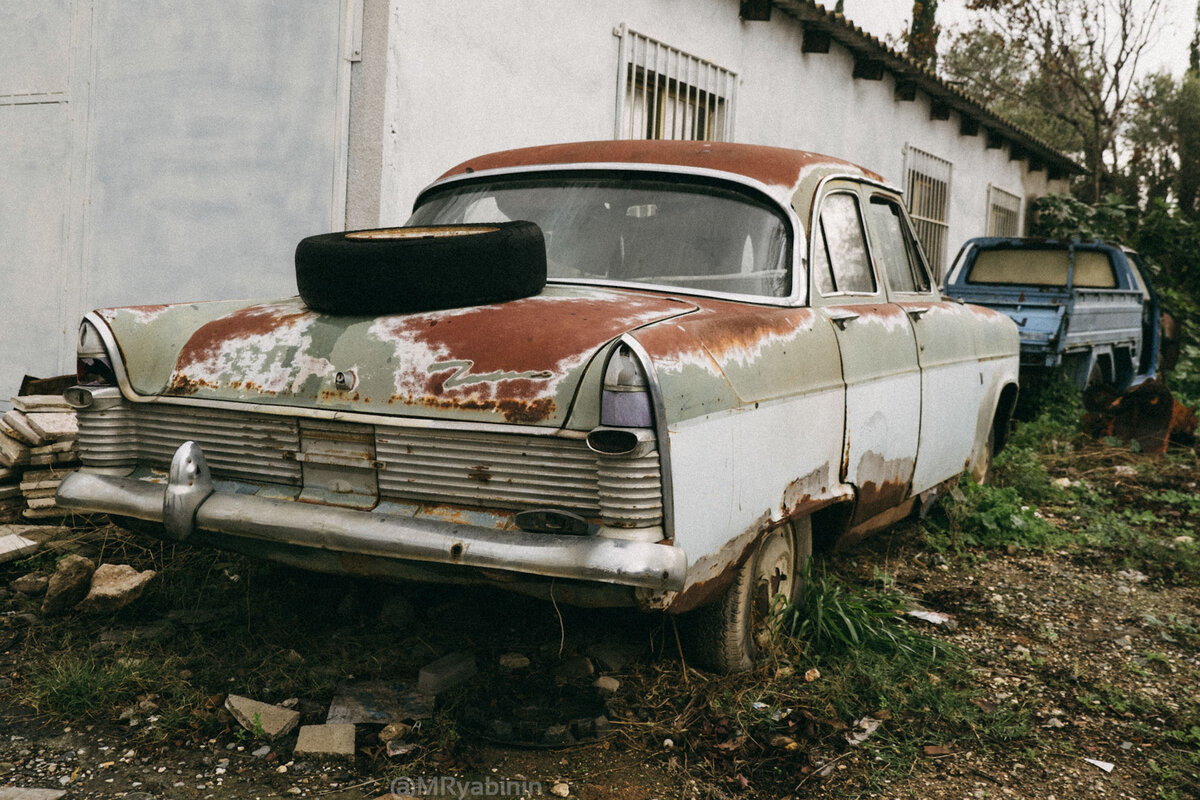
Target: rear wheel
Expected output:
[730,634]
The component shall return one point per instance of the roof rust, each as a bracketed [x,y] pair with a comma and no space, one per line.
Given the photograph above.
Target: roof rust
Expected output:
[773,166]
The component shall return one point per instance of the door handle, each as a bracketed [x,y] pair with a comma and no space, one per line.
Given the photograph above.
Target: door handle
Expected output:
[841,316]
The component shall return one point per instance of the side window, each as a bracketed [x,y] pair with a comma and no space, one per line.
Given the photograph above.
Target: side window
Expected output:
[895,251]
[840,261]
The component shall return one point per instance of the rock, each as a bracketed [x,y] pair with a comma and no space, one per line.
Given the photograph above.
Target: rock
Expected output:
[446,672]
[607,685]
[254,716]
[514,661]
[262,752]
[326,740]
[1184,539]
[18,793]
[54,426]
[31,585]
[613,656]
[68,585]
[115,586]
[560,790]
[1123,471]
[1062,483]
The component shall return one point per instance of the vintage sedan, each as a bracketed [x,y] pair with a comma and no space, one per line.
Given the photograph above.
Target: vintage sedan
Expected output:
[650,374]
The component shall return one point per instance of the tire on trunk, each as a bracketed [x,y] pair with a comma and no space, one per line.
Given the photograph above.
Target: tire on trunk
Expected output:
[397,270]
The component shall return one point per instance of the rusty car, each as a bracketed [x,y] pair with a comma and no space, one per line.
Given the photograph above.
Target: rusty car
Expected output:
[631,373]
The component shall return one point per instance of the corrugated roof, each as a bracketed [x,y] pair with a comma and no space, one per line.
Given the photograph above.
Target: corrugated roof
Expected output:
[815,16]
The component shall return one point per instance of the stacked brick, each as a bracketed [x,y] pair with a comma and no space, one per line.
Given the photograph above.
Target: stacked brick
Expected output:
[37,449]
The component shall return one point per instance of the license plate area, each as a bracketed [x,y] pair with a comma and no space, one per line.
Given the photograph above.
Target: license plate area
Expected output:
[338,464]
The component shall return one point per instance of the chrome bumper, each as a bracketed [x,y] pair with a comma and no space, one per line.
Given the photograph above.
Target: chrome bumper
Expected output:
[188,502]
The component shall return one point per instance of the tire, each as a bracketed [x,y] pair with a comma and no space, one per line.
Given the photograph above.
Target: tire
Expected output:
[731,634]
[397,270]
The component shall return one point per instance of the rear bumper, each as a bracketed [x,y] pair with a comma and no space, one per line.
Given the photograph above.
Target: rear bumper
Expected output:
[188,503]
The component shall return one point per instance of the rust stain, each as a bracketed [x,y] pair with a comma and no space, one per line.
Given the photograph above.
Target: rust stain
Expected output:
[882,484]
[516,411]
[481,473]
[205,344]
[182,384]
[773,166]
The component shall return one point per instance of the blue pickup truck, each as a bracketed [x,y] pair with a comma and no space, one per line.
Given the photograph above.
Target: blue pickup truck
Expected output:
[1083,307]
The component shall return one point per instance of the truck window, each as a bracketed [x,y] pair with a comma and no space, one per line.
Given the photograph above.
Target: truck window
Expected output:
[1028,266]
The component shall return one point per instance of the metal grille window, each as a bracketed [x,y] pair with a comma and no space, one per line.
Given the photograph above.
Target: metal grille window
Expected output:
[927,185]
[664,93]
[1004,213]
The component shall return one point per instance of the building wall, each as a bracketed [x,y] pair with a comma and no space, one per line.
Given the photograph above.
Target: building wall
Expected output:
[155,153]
[468,78]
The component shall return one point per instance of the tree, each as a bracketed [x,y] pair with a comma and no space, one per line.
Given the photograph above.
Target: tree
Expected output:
[1073,63]
[922,35]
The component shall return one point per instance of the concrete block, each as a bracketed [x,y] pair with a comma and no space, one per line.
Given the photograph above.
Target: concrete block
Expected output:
[446,672]
[20,793]
[325,740]
[41,402]
[9,492]
[13,547]
[115,586]
[40,503]
[19,426]
[251,714]
[13,452]
[68,584]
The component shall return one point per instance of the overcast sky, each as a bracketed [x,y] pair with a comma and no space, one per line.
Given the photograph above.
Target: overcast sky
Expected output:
[1169,50]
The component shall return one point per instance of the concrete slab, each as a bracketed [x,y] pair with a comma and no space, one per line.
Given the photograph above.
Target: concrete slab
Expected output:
[379,702]
[253,715]
[54,427]
[19,425]
[12,451]
[41,402]
[325,740]
[13,547]
[446,672]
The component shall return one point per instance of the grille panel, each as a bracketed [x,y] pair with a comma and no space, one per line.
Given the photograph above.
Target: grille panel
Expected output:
[457,467]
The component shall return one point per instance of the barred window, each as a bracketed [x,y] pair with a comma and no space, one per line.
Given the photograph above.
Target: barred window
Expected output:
[1004,213]
[927,186]
[665,93]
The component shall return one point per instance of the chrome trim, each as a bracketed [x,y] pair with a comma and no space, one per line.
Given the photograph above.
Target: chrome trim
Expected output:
[388,537]
[189,483]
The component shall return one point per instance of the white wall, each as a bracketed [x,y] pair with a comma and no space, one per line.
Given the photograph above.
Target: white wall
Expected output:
[466,78]
[170,152]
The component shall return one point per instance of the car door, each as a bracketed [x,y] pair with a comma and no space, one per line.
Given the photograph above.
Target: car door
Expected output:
[952,381]
[878,354]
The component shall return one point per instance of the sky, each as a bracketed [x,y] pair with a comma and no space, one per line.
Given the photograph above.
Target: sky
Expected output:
[1169,50]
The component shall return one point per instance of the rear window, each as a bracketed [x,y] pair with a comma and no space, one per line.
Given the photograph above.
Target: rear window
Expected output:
[1024,266]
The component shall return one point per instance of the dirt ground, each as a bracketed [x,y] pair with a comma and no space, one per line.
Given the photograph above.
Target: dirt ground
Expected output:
[1096,664]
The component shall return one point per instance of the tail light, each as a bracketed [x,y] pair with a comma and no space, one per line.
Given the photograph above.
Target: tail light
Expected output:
[625,401]
[93,365]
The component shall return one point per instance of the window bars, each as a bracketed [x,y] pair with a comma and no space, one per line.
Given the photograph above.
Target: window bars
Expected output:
[1004,213]
[665,93]
[927,186]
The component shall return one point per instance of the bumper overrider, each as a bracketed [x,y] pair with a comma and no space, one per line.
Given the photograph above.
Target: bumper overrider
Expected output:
[189,502]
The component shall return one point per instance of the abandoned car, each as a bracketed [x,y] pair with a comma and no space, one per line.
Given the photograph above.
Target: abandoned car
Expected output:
[635,373]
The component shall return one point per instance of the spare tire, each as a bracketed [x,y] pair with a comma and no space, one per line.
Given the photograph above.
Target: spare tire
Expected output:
[394,270]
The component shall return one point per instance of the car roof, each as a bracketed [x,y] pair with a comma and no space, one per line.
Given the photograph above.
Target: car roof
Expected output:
[782,171]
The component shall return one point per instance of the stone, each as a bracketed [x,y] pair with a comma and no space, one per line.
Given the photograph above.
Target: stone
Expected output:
[13,547]
[54,426]
[41,402]
[19,793]
[447,671]
[560,789]
[514,661]
[115,586]
[607,685]
[274,721]
[613,656]
[31,585]
[12,451]
[394,730]
[18,426]
[69,584]
[326,740]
